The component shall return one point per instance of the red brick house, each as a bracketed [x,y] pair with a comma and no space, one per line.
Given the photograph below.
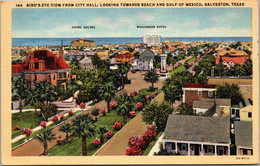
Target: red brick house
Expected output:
[194,91]
[42,66]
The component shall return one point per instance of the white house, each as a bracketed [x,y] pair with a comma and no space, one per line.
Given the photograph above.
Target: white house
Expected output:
[144,62]
[197,135]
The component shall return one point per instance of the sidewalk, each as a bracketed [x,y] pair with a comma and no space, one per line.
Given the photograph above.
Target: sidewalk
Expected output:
[156,147]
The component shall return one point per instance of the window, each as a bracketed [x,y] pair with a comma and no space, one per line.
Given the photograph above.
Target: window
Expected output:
[199,93]
[250,114]
[233,111]
[210,93]
[173,145]
[244,151]
[53,77]
[60,75]
[64,74]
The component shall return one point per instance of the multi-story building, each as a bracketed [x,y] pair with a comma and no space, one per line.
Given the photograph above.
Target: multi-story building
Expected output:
[42,66]
[144,62]
[82,43]
[194,91]
[154,40]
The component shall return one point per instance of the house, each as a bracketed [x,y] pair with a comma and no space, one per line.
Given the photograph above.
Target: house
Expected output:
[86,64]
[122,58]
[243,138]
[231,58]
[42,66]
[246,107]
[113,65]
[103,54]
[197,135]
[235,112]
[212,107]
[144,62]
[194,91]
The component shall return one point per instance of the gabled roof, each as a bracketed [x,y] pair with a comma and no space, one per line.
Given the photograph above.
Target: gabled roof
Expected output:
[232,52]
[236,60]
[198,128]
[243,134]
[195,85]
[147,55]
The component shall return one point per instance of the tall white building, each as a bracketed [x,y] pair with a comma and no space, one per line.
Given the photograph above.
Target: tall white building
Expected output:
[154,40]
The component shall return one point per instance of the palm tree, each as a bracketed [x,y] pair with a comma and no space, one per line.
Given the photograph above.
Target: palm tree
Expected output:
[44,137]
[32,99]
[84,127]
[152,77]
[123,69]
[101,130]
[20,87]
[73,86]
[124,106]
[107,92]
[95,112]
[66,128]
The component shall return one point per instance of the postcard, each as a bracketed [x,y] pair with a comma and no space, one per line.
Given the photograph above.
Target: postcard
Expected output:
[129,82]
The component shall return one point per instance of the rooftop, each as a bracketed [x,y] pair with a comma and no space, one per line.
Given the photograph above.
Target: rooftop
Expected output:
[146,55]
[243,134]
[195,85]
[197,128]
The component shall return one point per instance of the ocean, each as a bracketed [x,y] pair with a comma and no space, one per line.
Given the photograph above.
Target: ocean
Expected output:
[117,40]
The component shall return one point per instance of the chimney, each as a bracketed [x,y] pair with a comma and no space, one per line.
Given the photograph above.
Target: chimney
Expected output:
[41,65]
[28,56]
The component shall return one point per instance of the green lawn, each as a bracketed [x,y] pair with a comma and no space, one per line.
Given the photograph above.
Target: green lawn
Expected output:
[147,91]
[20,141]
[151,144]
[181,68]
[73,148]
[28,106]
[24,119]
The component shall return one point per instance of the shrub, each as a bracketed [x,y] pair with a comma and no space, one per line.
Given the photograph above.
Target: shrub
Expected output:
[134,151]
[113,105]
[109,134]
[54,119]
[132,114]
[70,113]
[103,111]
[43,124]
[58,138]
[16,128]
[96,142]
[62,117]
[117,125]
[27,132]
[139,106]
[49,110]
[82,105]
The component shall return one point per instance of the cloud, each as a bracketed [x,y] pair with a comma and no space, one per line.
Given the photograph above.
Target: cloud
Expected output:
[145,17]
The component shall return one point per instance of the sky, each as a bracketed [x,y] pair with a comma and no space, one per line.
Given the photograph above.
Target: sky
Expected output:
[122,22]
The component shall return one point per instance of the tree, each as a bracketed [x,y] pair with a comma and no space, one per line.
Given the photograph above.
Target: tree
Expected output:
[101,130]
[248,67]
[123,69]
[186,65]
[74,62]
[49,110]
[151,77]
[229,92]
[84,128]
[45,91]
[124,106]
[66,128]
[95,112]
[32,99]
[95,60]
[107,92]
[201,79]
[157,114]
[44,137]
[73,86]
[184,109]
[20,87]
[173,86]
[239,70]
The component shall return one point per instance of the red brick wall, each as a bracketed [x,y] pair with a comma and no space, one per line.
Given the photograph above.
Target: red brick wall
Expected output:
[191,96]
